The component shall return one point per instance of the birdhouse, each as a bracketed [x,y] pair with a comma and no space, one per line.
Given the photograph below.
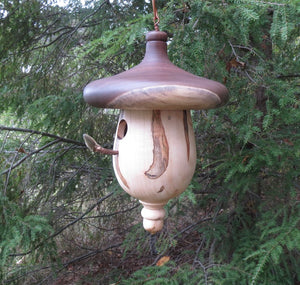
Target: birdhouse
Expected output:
[154,153]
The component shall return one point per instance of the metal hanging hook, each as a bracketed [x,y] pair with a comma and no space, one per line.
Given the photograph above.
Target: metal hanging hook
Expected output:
[155,18]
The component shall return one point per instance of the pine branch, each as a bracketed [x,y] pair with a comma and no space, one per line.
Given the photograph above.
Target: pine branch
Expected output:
[66,226]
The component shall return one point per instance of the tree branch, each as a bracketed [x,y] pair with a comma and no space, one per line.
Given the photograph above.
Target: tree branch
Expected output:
[112,214]
[288,76]
[66,226]
[66,264]
[85,18]
[42,134]
[28,155]
[8,171]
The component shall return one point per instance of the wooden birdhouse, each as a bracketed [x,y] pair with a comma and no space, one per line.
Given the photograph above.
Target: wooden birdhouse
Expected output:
[154,149]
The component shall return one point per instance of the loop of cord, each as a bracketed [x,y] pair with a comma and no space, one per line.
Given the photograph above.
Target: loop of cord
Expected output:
[155,18]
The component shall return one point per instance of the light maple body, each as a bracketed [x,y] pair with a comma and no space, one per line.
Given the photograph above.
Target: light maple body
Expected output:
[156,160]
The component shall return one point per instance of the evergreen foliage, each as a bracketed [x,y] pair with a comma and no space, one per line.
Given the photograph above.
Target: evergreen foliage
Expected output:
[61,208]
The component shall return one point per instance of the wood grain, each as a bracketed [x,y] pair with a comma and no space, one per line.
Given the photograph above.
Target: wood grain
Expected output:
[186,133]
[160,148]
[116,146]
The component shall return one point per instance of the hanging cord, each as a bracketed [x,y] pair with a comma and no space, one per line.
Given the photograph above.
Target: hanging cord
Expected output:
[155,18]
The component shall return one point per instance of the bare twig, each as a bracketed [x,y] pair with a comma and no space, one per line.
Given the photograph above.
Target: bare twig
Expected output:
[4,141]
[238,59]
[233,50]
[198,250]
[66,264]
[204,271]
[42,133]
[250,78]
[180,233]
[288,76]
[250,49]
[193,225]
[85,18]
[28,155]
[112,214]
[270,3]
[8,171]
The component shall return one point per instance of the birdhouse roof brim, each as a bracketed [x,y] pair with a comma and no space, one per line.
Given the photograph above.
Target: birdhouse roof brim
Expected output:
[156,83]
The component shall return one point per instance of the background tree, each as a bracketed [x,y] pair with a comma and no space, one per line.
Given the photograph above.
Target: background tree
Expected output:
[64,218]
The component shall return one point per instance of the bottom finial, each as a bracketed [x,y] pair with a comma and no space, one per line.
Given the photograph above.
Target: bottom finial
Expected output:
[153,217]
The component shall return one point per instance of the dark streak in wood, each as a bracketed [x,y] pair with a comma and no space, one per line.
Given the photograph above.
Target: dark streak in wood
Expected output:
[160,147]
[117,166]
[186,133]
[162,188]
[120,173]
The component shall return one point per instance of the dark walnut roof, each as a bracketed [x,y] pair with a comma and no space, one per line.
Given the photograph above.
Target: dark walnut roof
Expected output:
[156,83]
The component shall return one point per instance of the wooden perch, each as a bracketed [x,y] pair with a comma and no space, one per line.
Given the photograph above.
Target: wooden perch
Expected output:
[95,147]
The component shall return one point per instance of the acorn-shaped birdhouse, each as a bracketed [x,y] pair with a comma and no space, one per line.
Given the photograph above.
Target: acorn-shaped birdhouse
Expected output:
[154,155]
